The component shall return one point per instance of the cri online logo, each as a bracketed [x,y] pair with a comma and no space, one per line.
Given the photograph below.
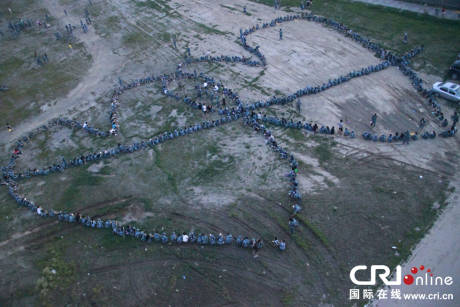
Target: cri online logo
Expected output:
[384,273]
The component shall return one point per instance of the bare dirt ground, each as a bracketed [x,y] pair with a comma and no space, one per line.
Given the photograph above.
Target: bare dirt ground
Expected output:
[439,250]
[356,193]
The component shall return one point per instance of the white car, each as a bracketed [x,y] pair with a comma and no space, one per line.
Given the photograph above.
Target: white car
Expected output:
[448,90]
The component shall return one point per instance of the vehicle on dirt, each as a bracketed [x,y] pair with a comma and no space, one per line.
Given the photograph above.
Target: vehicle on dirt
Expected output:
[448,90]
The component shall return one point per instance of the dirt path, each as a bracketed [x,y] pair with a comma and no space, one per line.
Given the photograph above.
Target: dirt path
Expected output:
[98,79]
[49,223]
[20,235]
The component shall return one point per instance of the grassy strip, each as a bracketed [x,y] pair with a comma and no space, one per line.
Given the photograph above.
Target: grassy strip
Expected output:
[314,229]
[171,179]
[81,178]
[323,152]
[253,84]
[229,7]
[299,240]
[159,5]
[208,30]
[57,273]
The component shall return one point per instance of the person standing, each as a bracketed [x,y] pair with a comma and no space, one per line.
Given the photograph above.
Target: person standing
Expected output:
[340,127]
[406,137]
[256,246]
[292,225]
[373,120]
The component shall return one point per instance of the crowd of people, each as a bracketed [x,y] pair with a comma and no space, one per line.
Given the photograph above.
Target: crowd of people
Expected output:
[310,127]
[231,109]
[254,121]
[365,42]
[223,59]
[304,4]
[41,58]
[160,236]
[19,25]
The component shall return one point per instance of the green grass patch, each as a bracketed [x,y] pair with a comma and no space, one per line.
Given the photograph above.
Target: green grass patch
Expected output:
[9,67]
[158,5]
[57,274]
[296,134]
[213,149]
[300,241]
[208,30]
[253,84]
[134,38]
[31,86]
[260,89]
[170,177]
[214,168]
[111,242]
[80,178]
[313,228]
[106,170]
[113,22]
[235,9]
[112,209]
[323,152]
[386,26]
[229,7]
[165,37]
[288,297]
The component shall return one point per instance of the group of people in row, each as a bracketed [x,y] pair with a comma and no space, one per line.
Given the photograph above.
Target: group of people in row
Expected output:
[16,26]
[223,59]
[304,4]
[9,173]
[428,93]
[19,25]
[256,122]
[390,58]
[69,28]
[402,62]
[311,90]
[365,42]
[131,231]
[253,122]
[311,127]
[407,136]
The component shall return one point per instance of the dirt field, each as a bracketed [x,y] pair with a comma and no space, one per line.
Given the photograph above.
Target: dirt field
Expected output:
[439,250]
[359,198]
